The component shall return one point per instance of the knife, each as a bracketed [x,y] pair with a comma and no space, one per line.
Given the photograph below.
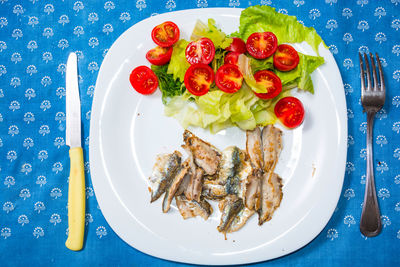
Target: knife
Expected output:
[76,188]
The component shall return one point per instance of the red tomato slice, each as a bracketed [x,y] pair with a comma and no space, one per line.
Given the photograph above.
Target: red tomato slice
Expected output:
[286,58]
[143,80]
[198,79]
[231,58]
[237,46]
[290,111]
[271,82]
[261,44]
[159,55]
[200,51]
[229,78]
[165,34]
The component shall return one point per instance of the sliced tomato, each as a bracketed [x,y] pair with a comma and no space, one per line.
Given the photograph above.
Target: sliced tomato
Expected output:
[165,34]
[200,51]
[270,81]
[237,46]
[143,80]
[290,111]
[229,78]
[231,58]
[198,79]
[261,44]
[286,58]
[159,55]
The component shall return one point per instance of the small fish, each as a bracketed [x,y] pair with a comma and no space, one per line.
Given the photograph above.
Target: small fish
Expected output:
[230,207]
[205,155]
[192,208]
[174,185]
[163,171]
[231,161]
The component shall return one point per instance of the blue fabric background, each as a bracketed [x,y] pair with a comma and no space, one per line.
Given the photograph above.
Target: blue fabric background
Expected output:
[35,39]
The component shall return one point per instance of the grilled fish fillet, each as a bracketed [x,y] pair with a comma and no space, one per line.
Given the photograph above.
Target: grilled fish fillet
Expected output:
[271,183]
[192,208]
[272,146]
[254,150]
[163,171]
[205,155]
[174,185]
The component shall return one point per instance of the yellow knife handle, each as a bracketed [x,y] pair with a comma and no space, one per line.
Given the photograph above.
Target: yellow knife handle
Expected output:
[76,200]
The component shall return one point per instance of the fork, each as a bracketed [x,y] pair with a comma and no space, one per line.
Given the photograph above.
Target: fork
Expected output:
[372,100]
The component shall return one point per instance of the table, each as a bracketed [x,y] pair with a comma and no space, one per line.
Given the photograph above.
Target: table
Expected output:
[35,39]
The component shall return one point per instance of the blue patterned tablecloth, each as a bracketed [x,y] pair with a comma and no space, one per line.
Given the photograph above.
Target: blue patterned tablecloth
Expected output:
[35,39]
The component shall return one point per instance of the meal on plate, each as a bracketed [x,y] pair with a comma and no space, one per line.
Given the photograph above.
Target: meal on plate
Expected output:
[244,79]
[243,182]
[215,81]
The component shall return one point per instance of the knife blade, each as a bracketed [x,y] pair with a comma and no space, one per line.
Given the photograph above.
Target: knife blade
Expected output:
[76,188]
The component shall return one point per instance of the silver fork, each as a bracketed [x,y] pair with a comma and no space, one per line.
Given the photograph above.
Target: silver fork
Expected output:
[372,99]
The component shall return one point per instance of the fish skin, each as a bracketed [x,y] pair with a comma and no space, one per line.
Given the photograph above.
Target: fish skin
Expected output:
[230,207]
[163,171]
[192,208]
[230,172]
[174,186]
[204,154]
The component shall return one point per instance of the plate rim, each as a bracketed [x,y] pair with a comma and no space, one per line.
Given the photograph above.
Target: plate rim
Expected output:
[94,153]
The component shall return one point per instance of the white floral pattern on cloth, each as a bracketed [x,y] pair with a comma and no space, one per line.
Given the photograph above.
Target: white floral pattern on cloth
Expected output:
[35,39]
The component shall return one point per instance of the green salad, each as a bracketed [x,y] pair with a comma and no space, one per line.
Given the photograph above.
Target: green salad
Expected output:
[245,107]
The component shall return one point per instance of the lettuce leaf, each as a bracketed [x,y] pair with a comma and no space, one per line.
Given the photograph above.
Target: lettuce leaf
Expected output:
[218,110]
[178,63]
[286,28]
[212,32]
[301,75]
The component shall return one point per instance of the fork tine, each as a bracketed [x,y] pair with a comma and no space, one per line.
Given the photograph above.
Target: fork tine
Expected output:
[382,80]
[374,75]
[362,73]
[369,81]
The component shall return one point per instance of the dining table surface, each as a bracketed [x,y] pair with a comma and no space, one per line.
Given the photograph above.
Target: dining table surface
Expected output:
[36,37]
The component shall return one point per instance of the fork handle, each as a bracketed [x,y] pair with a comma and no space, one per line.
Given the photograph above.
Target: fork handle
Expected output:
[370,223]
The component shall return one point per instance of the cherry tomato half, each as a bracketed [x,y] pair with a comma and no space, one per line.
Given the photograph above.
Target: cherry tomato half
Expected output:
[159,55]
[143,80]
[229,78]
[200,51]
[261,44]
[237,46]
[290,111]
[286,58]
[271,82]
[198,79]
[165,34]
[231,58]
